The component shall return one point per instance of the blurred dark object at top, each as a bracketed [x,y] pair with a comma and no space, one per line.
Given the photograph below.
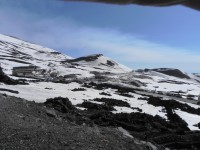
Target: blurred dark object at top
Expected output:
[195,4]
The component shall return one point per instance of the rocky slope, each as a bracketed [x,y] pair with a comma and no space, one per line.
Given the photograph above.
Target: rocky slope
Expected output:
[27,125]
[57,124]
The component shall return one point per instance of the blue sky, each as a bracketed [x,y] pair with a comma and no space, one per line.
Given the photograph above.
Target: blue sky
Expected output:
[138,37]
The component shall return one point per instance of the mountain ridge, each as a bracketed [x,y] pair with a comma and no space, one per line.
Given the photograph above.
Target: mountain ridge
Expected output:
[15,52]
[151,105]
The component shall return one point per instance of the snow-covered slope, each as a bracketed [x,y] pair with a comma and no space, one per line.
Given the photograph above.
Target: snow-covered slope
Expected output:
[100,63]
[174,82]
[15,52]
[85,75]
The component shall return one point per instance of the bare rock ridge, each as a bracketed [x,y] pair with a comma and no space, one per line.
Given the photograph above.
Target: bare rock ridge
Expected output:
[87,58]
[172,72]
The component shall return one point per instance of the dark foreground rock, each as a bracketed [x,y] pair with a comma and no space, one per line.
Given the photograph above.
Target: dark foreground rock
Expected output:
[173,134]
[26,125]
[57,124]
[169,134]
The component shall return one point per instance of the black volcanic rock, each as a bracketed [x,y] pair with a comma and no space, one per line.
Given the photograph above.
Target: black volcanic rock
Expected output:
[110,63]
[113,102]
[198,125]
[86,58]
[60,104]
[172,72]
[78,89]
[104,93]
[6,79]
[94,107]
[172,104]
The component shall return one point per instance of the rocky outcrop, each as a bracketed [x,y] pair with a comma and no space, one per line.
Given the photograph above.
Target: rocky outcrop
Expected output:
[60,104]
[86,58]
[172,72]
[6,79]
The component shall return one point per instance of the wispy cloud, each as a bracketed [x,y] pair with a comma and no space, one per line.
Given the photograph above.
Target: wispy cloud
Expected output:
[76,39]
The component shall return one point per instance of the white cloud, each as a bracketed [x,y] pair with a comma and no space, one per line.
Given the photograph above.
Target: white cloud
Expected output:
[74,38]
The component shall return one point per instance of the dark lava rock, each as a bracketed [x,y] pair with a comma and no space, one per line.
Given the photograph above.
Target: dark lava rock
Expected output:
[106,94]
[113,102]
[126,95]
[136,122]
[8,90]
[86,58]
[172,133]
[60,104]
[172,104]
[137,83]
[107,86]
[198,125]
[110,63]
[136,108]
[153,128]
[172,72]
[93,106]
[55,53]
[6,79]
[78,89]
[70,76]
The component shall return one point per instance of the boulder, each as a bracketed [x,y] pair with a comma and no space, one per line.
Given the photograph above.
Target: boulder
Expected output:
[60,104]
